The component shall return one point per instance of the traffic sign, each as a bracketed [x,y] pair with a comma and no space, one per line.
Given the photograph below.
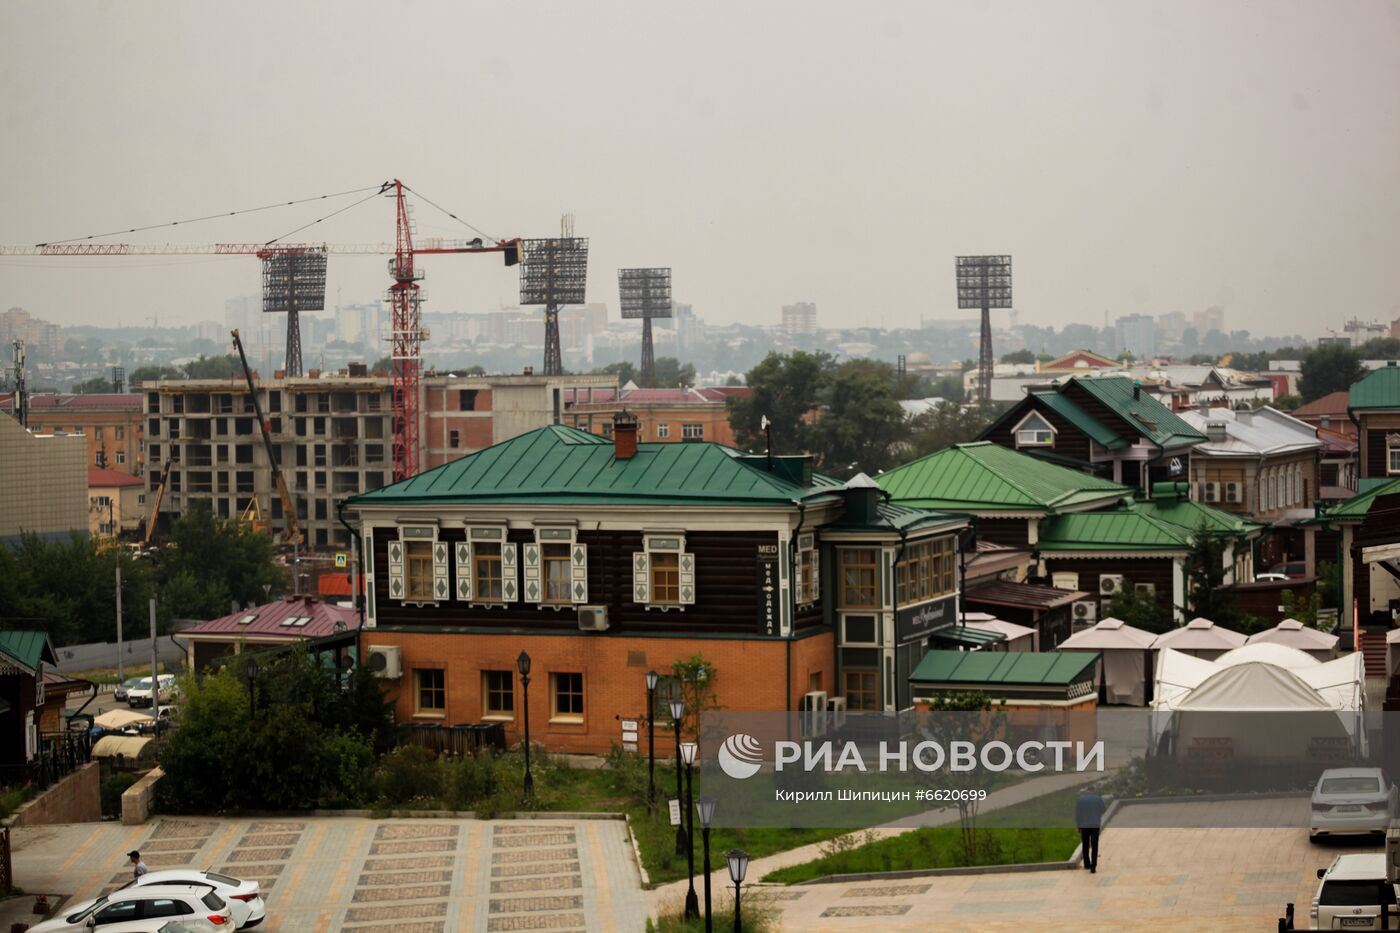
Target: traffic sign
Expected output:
[675,812]
[342,560]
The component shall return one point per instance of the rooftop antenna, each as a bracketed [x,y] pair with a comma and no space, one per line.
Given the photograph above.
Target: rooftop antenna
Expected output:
[645,294]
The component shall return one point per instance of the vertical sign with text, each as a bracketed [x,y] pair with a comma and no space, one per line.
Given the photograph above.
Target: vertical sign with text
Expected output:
[769,610]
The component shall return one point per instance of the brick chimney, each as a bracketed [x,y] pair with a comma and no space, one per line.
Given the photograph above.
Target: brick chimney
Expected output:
[625,427]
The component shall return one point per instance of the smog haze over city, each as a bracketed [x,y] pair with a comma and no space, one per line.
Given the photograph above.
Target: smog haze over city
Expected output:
[1132,157]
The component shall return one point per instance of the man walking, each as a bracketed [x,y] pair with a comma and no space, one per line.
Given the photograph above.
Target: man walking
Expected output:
[138,867]
[1088,816]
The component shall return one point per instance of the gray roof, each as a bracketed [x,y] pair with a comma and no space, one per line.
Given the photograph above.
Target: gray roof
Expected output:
[1263,431]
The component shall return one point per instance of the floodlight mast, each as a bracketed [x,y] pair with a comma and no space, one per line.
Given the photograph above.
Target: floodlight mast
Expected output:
[645,294]
[984,282]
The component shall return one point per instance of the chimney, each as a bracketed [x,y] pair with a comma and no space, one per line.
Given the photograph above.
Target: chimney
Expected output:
[1137,391]
[625,426]
[1326,422]
[1204,404]
[1215,431]
[1245,416]
[862,499]
[358,370]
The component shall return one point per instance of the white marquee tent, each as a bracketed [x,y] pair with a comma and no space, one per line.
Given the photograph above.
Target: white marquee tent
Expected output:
[1123,667]
[1201,638]
[1295,634]
[1392,651]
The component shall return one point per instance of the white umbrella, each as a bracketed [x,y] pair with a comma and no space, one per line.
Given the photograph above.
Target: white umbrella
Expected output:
[1295,634]
[1202,638]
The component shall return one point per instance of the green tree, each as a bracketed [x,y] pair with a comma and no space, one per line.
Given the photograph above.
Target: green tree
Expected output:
[945,426]
[93,386]
[862,420]
[211,560]
[787,390]
[1205,577]
[385,364]
[1141,610]
[154,374]
[968,717]
[67,588]
[1329,368]
[671,374]
[1018,356]
[624,371]
[214,367]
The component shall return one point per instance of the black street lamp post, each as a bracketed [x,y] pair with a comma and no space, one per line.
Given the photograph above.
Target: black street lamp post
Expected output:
[252,688]
[677,714]
[738,866]
[705,806]
[651,739]
[522,663]
[692,904]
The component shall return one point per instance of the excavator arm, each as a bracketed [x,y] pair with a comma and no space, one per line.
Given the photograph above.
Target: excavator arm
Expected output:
[293,530]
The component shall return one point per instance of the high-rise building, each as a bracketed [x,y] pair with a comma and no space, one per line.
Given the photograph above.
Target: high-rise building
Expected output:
[38,335]
[800,318]
[1212,318]
[1137,334]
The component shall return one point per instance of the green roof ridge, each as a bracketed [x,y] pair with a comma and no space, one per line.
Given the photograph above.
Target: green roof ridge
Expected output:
[983,473]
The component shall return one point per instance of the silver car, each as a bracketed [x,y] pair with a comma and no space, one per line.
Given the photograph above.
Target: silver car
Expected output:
[1352,800]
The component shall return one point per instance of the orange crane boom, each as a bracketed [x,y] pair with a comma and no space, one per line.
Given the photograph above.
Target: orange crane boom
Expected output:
[292,534]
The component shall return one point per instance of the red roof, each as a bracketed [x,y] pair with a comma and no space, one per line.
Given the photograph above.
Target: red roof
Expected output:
[280,618]
[100,477]
[690,396]
[105,401]
[1333,404]
[336,584]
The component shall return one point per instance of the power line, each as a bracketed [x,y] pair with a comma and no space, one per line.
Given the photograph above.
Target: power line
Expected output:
[313,223]
[452,215]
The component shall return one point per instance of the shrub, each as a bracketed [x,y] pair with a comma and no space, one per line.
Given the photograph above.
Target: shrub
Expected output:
[112,790]
[409,772]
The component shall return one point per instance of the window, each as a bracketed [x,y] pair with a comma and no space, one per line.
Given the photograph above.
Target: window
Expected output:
[1392,453]
[556,573]
[486,570]
[119,912]
[862,689]
[692,432]
[498,694]
[663,431]
[1034,431]
[97,433]
[925,571]
[432,687]
[418,570]
[859,567]
[121,434]
[466,399]
[665,578]
[860,630]
[807,585]
[453,438]
[121,456]
[141,499]
[566,697]
[668,688]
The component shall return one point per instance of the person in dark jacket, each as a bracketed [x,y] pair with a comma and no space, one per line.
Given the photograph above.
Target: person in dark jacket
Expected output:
[1088,816]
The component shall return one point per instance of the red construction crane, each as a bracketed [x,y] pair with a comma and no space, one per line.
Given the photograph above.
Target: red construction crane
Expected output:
[406,335]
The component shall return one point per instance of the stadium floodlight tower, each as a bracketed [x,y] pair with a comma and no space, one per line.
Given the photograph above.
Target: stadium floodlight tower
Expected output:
[984,282]
[645,294]
[294,280]
[553,273]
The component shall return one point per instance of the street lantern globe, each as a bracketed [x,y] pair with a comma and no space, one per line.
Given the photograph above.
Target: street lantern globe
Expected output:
[738,861]
[677,709]
[688,750]
[652,678]
[705,809]
[522,664]
[252,668]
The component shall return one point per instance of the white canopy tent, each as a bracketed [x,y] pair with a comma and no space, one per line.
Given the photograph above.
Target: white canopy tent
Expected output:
[1018,637]
[1200,638]
[1260,678]
[1295,634]
[1123,662]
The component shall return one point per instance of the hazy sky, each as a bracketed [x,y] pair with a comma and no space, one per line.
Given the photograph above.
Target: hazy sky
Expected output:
[1132,156]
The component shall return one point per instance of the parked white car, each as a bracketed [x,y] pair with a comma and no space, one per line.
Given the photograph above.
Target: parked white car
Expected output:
[1352,891]
[140,695]
[244,897]
[163,902]
[161,925]
[1352,800]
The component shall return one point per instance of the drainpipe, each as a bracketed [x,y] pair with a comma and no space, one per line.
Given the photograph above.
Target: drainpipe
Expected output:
[792,608]
[356,578]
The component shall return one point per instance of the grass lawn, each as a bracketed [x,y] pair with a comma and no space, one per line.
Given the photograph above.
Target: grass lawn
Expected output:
[1002,839]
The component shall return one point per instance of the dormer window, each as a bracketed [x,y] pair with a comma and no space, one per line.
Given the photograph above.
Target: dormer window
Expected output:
[1034,431]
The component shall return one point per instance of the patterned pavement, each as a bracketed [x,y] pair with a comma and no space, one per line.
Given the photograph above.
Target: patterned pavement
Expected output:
[369,876]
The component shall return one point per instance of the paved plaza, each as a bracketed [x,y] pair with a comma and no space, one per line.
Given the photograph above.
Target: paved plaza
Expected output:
[439,875]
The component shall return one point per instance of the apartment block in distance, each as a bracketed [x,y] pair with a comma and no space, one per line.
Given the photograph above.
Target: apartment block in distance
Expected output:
[45,483]
[112,422]
[333,433]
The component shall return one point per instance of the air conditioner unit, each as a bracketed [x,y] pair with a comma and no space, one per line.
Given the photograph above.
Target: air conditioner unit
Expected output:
[384,662]
[1085,611]
[1232,492]
[1110,584]
[813,713]
[1145,587]
[592,618]
[1065,581]
[1210,492]
[836,710]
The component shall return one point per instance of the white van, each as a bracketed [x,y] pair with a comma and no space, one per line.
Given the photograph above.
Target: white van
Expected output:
[1353,891]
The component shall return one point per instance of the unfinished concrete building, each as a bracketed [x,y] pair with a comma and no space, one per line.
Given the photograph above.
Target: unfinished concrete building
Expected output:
[333,434]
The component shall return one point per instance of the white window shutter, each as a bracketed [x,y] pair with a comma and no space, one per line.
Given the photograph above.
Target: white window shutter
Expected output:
[396,581]
[687,564]
[31,737]
[442,588]
[578,572]
[797,575]
[532,573]
[641,578]
[509,591]
[816,574]
[464,570]
[368,581]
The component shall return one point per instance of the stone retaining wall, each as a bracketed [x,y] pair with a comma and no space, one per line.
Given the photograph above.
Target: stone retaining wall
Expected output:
[75,799]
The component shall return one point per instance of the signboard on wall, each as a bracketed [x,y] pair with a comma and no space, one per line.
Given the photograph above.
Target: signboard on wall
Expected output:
[914,622]
[769,590]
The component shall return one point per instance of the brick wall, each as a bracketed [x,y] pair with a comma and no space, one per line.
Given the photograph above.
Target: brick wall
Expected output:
[750,675]
[75,799]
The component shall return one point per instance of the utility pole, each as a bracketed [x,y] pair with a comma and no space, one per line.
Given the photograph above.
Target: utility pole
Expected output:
[120,678]
[155,674]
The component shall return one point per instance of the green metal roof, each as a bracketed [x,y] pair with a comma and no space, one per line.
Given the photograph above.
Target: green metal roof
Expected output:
[28,648]
[988,477]
[973,637]
[562,465]
[1124,529]
[1068,409]
[1355,508]
[1189,515]
[1379,389]
[1155,421]
[1037,668]
[892,517]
